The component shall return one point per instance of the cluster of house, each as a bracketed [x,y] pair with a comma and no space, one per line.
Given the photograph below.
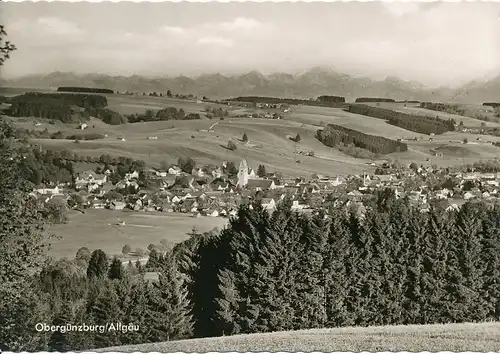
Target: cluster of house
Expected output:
[206,192]
[266,115]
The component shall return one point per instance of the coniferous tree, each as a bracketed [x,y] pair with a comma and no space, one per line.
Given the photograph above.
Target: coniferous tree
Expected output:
[116,270]
[98,264]
[338,270]
[170,310]
[136,313]
[61,341]
[491,262]
[434,270]
[261,171]
[105,311]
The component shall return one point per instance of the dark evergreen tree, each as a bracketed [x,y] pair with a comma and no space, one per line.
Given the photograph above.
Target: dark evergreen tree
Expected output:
[261,171]
[116,270]
[170,315]
[98,264]
[61,341]
[106,311]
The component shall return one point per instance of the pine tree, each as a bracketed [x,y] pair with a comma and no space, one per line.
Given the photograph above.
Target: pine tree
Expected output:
[98,265]
[136,312]
[261,171]
[105,311]
[337,253]
[245,137]
[435,243]
[116,270]
[61,341]
[413,285]
[170,317]
[227,304]
[491,262]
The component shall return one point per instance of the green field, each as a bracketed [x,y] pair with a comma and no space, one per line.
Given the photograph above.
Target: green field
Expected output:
[269,139]
[97,229]
[481,337]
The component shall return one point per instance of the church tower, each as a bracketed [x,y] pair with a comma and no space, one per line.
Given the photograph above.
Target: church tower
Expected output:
[243,174]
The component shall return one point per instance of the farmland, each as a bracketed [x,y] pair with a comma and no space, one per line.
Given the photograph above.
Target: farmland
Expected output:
[480,337]
[269,142]
[98,229]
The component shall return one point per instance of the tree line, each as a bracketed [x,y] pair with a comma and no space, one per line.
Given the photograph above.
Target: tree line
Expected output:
[325,101]
[443,107]
[333,135]
[168,113]
[414,123]
[84,89]
[65,107]
[45,134]
[373,99]
[53,166]
[492,104]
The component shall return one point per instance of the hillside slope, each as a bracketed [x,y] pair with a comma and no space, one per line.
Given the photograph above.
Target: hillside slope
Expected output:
[481,337]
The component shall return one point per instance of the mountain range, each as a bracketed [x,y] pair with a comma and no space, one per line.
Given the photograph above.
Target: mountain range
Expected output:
[310,84]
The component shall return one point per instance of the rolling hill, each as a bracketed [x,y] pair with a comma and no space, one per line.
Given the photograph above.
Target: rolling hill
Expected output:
[269,142]
[478,337]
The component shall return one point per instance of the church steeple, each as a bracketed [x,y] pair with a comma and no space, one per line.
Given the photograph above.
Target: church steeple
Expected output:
[243,174]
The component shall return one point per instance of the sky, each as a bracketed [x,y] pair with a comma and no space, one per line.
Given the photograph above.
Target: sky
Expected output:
[438,43]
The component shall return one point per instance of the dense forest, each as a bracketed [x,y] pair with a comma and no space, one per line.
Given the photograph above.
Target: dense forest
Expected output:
[52,166]
[414,123]
[334,135]
[444,107]
[325,101]
[65,107]
[168,113]
[84,89]
[331,99]
[373,99]
[492,104]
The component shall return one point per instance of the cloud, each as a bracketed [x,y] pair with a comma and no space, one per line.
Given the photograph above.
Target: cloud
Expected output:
[399,9]
[172,30]
[57,26]
[241,24]
[223,42]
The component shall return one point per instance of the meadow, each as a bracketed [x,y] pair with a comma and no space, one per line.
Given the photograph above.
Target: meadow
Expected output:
[98,229]
[269,142]
[477,337]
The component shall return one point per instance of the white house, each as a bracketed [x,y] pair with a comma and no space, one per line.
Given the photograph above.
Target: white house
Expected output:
[132,175]
[51,191]
[174,170]
[268,203]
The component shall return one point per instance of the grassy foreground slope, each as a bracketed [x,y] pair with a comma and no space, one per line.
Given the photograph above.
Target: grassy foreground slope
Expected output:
[480,337]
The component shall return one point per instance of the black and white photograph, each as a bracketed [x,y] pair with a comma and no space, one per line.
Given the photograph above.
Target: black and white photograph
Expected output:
[249,176]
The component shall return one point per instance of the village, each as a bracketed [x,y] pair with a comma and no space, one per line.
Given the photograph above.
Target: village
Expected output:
[208,191]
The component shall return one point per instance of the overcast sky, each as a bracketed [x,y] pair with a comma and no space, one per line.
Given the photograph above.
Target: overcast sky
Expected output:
[434,43]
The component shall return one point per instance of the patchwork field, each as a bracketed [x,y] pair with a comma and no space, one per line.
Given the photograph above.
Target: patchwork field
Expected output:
[269,139]
[98,229]
[480,337]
